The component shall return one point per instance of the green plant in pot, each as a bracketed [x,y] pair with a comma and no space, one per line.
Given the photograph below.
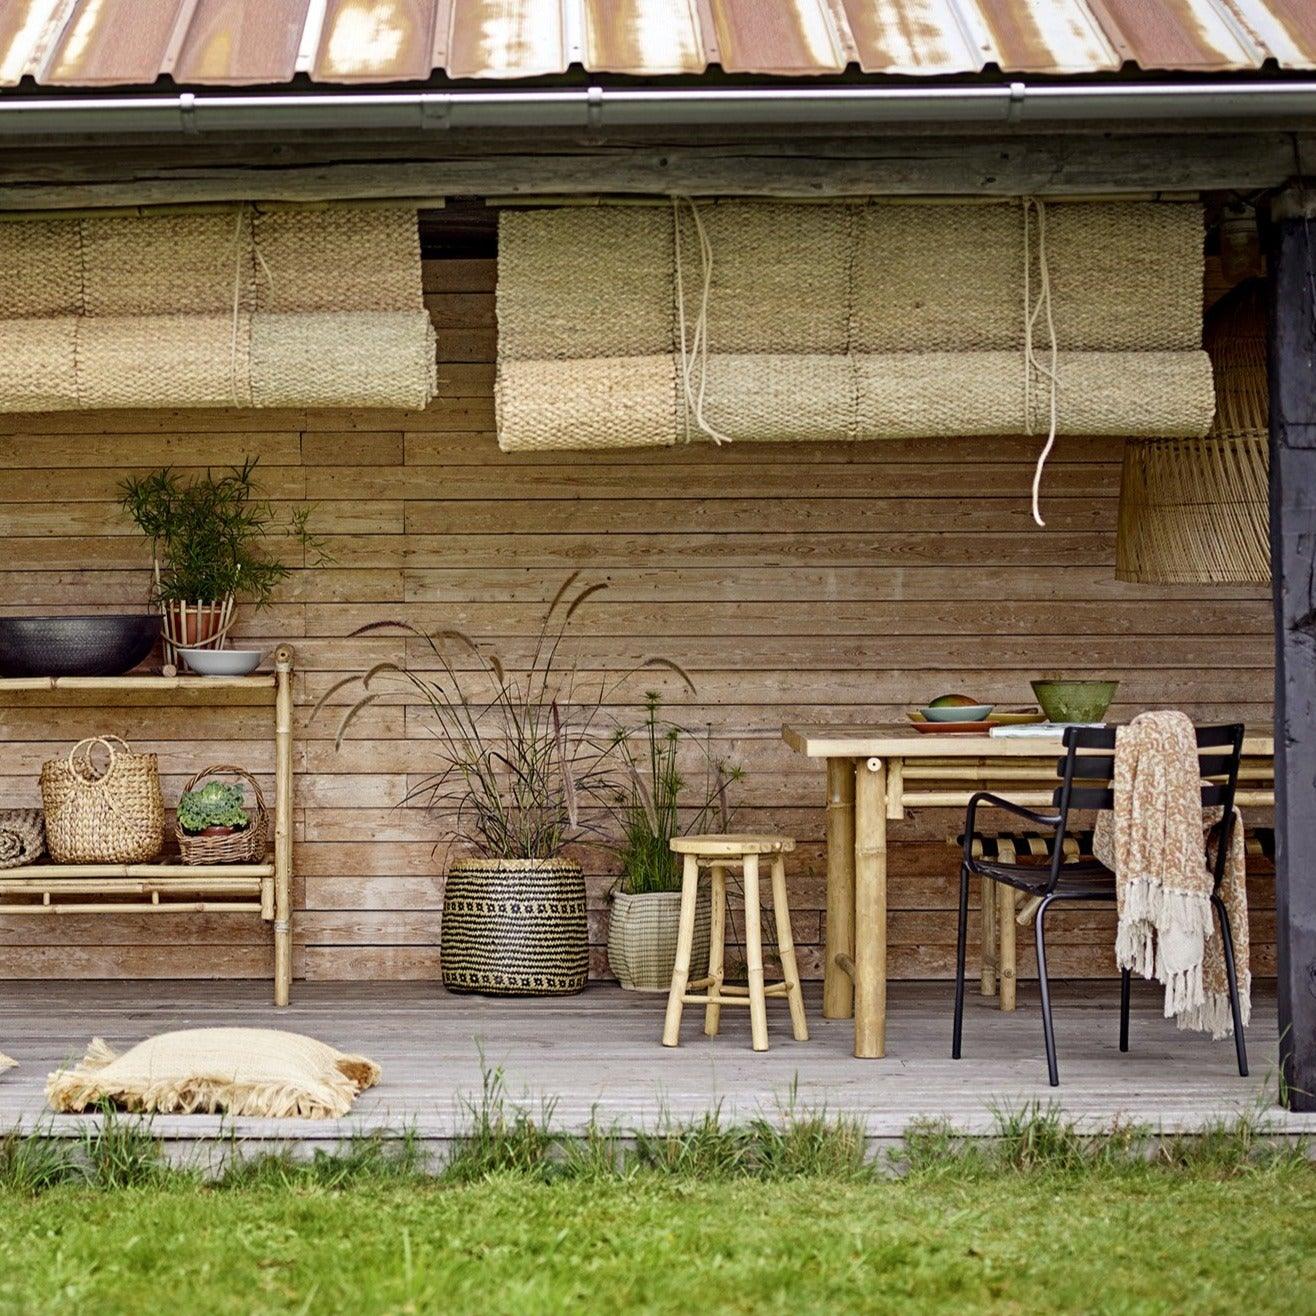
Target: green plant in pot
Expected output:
[523,767]
[216,809]
[209,546]
[652,807]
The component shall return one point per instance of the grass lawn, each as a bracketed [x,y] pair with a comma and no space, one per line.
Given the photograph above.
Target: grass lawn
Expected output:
[953,1236]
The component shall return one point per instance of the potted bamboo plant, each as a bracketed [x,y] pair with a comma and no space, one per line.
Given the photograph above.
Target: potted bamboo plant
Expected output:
[208,543]
[524,765]
[651,808]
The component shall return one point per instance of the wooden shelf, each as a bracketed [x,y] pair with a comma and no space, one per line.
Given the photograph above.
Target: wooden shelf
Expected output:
[263,889]
[52,874]
[257,681]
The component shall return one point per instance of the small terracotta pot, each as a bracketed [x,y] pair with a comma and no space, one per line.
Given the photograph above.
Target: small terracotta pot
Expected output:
[218,831]
[194,624]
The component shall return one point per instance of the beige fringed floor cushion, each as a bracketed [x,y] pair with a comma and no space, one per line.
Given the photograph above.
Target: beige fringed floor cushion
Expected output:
[236,1071]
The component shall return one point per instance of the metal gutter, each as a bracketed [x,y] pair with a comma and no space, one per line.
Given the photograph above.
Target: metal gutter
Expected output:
[598,108]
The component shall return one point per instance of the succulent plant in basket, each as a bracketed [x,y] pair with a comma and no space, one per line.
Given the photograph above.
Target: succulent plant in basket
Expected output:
[216,809]
[653,806]
[524,766]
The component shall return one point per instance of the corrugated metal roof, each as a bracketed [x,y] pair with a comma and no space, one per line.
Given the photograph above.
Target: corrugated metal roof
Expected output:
[97,43]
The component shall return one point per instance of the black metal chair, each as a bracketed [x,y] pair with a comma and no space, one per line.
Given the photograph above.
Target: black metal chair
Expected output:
[1086,772]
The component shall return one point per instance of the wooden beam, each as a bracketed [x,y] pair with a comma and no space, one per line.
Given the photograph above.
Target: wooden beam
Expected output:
[1293,545]
[1007,165]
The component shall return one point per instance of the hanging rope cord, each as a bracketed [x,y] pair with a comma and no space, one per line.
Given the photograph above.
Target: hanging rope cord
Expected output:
[1032,364]
[238,229]
[694,352]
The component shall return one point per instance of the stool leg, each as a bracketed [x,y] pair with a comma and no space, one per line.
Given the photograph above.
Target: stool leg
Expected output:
[781,915]
[1006,956]
[717,947]
[685,939]
[989,961]
[758,1004]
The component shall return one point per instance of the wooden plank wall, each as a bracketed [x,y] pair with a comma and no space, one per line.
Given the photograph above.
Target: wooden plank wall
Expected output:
[795,582]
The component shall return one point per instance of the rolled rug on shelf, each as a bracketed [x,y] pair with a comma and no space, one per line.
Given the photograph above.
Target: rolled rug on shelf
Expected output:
[22,837]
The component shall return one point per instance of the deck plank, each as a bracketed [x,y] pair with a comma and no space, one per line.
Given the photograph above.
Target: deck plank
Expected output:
[597,1056]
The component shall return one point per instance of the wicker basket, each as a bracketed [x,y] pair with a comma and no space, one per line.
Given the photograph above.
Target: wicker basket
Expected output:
[244,847]
[642,932]
[514,927]
[115,816]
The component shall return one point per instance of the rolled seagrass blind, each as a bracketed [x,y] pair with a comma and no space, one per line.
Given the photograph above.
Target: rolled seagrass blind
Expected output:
[245,307]
[631,325]
[1197,511]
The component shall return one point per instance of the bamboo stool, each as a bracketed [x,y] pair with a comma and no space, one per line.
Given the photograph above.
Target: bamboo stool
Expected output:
[716,853]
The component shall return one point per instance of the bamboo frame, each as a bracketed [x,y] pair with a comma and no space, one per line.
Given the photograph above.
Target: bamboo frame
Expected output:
[264,889]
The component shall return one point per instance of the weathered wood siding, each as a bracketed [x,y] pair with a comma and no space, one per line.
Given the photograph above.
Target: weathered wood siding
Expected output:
[794,582]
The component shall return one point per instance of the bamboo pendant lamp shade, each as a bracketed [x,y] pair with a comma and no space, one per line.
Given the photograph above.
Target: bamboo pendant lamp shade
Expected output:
[1197,511]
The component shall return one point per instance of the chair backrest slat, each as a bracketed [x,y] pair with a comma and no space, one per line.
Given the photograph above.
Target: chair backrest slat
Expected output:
[1085,778]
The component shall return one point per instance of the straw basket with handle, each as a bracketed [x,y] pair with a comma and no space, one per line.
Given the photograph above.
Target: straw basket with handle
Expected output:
[244,847]
[113,815]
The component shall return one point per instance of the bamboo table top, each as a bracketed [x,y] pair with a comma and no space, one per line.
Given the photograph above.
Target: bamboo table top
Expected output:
[897,740]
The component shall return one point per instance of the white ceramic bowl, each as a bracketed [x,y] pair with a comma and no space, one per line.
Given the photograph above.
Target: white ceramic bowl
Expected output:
[957,713]
[222,662]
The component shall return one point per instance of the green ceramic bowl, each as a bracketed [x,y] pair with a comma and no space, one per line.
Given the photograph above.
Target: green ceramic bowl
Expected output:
[1075,701]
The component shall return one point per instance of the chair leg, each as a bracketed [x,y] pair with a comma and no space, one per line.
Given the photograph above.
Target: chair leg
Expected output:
[685,938]
[1125,978]
[781,916]
[960,941]
[990,962]
[1231,973]
[758,1003]
[717,946]
[1048,1029]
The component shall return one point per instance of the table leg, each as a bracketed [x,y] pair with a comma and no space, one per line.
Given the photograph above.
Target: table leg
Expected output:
[1005,900]
[870,909]
[838,989]
[989,959]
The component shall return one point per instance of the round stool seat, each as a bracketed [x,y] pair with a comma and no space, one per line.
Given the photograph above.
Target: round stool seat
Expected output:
[732,845]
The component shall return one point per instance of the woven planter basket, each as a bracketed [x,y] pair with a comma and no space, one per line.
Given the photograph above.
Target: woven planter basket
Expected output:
[514,927]
[245,847]
[642,933]
[114,816]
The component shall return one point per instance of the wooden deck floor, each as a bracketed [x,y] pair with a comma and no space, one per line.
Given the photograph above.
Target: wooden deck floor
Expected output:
[597,1055]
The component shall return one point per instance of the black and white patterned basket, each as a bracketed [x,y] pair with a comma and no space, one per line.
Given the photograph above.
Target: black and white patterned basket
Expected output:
[514,927]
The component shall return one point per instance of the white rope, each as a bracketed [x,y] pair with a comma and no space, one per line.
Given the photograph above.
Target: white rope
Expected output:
[1031,312]
[695,352]
[237,300]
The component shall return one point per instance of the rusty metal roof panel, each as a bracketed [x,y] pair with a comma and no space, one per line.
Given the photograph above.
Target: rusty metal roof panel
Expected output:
[233,42]
[647,38]
[100,43]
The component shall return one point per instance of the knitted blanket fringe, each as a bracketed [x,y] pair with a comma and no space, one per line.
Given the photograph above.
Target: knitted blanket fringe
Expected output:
[1167,926]
[74,1090]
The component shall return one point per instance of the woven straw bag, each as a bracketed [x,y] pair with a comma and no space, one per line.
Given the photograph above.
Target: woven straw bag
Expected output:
[245,847]
[114,816]
[514,927]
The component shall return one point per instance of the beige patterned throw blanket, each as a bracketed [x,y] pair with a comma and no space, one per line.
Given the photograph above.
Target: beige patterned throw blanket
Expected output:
[22,837]
[1156,841]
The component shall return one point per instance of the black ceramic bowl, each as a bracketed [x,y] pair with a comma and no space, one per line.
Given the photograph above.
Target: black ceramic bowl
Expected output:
[75,646]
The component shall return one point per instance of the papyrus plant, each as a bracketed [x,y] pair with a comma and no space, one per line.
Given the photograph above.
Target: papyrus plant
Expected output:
[526,764]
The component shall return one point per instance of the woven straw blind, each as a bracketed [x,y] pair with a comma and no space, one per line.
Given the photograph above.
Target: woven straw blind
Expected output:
[236,307]
[846,321]
[1197,511]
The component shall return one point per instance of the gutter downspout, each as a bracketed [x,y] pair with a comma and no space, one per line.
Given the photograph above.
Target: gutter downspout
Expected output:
[598,108]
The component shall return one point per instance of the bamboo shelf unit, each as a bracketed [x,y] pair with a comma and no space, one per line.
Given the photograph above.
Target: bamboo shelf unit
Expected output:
[169,886]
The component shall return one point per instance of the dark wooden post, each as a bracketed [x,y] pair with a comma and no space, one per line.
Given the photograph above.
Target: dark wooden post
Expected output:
[1293,568]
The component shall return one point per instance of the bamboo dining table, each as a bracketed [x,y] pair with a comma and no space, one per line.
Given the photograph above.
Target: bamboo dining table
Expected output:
[874,773]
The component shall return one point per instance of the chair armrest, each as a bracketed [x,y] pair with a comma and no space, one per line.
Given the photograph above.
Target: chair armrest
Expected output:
[1009,806]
